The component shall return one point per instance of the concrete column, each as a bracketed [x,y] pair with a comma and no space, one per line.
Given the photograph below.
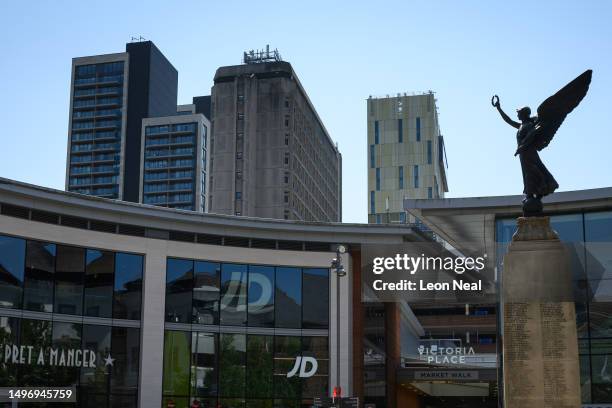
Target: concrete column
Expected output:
[541,367]
[346,329]
[357,326]
[392,351]
[152,329]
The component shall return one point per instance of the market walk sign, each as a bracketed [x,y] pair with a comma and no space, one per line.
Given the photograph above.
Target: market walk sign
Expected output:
[51,357]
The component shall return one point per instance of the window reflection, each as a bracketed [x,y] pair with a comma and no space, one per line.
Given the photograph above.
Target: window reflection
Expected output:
[232,365]
[260,364]
[128,286]
[204,351]
[35,333]
[66,336]
[315,309]
[69,280]
[261,296]
[9,334]
[98,291]
[206,293]
[317,385]
[598,234]
[12,258]
[38,284]
[233,294]
[286,349]
[98,339]
[288,297]
[177,352]
[125,350]
[179,286]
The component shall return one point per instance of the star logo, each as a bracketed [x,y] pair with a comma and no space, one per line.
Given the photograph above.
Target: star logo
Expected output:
[108,361]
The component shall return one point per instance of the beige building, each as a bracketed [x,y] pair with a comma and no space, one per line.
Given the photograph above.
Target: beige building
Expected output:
[406,157]
[271,156]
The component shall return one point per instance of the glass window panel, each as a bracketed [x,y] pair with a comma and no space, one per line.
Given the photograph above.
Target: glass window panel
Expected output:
[598,235]
[203,402]
[206,293]
[123,401]
[38,284]
[204,351]
[87,400]
[568,227]
[35,333]
[125,350]
[179,287]
[233,294]
[317,385]
[69,271]
[12,261]
[250,403]
[66,337]
[232,365]
[231,403]
[261,296]
[600,316]
[176,402]
[260,366]
[177,354]
[278,403]
[9,335]
[570,230]
[601,378]
[286,349]
[315,309]
[128,286]
[288,297]
[98,291]
[97,339]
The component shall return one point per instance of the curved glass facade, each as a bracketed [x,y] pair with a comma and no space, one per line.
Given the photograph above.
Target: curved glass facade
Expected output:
[70,316]
[235,332]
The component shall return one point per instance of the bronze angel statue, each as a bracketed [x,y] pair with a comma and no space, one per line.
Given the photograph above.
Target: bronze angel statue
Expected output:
[535,133]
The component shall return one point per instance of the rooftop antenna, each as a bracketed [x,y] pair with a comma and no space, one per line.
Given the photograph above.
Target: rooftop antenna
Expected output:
[261,56]
[140,38]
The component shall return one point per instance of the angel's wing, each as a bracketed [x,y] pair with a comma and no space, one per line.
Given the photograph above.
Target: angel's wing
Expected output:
[553,110]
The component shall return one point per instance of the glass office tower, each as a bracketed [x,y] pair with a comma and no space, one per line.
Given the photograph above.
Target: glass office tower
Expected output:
[105,124]
[174,157]
[97,125]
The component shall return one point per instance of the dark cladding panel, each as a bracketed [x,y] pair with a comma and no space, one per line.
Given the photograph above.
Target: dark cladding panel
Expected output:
[152,91]
[163,85]
[202,105]
[138,97]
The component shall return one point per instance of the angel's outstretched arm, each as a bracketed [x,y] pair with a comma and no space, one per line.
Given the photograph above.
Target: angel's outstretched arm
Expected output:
[506,118]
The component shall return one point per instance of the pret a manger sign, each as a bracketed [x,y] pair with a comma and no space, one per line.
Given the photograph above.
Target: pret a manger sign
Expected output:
[52,357]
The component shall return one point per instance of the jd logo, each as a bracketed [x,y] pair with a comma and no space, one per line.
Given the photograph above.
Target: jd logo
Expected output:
[300,364]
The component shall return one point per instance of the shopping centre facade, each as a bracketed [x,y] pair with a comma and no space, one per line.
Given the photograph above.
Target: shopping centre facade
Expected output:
[144,306]
[174,306]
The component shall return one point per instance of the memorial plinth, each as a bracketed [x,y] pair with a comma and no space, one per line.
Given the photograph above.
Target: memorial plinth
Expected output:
[541,367]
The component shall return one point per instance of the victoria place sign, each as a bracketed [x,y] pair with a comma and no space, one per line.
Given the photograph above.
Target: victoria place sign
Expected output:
[444,355]
[49,356]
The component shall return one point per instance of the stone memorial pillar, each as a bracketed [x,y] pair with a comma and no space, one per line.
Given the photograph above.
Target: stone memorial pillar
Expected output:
[541,366]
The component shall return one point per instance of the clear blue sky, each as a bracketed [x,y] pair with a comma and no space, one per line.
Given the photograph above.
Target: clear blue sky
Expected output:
[342,51]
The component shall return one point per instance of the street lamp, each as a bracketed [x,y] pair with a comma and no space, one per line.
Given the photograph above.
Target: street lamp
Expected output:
[340,272]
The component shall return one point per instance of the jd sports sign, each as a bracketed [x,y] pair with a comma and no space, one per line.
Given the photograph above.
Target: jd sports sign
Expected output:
[301,364]
[49,356]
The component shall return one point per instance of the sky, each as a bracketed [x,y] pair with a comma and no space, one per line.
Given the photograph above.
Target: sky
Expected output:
[342,51]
